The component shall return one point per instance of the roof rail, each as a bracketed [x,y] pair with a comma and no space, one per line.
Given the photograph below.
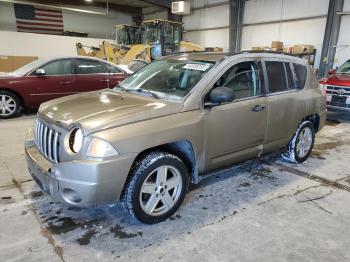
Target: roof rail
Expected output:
[182,53]
[188,52]
[265,52]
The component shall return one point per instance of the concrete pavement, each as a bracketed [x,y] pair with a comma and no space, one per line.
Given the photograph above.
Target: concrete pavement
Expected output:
[261,210]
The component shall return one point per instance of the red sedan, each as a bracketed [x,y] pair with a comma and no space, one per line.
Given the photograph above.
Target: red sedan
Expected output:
[40,81]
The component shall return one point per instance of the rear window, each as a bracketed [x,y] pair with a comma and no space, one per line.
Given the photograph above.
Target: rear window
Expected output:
[276,76]
[301,73]
[85,66]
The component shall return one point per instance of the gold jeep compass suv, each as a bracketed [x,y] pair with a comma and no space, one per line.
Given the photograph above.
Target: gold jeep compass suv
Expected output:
[163,127]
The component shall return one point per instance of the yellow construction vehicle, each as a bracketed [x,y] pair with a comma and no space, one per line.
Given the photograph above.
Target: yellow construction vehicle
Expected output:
[117,54]
[155,38]
[165,38]
[126,48]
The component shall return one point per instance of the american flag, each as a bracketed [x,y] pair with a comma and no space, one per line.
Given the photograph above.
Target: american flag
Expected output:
[40,20]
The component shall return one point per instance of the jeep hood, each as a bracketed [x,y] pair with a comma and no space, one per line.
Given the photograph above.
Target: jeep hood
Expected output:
[103,109]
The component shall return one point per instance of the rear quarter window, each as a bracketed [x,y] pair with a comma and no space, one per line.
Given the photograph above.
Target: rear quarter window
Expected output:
[112,69]
[301,74]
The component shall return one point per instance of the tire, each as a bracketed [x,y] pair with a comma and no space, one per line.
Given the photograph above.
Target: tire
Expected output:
[10,104]
[299,150]
[146,194]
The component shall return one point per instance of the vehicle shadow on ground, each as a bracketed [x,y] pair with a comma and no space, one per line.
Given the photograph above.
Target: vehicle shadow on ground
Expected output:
[338,117]
[29,112]
[219,196]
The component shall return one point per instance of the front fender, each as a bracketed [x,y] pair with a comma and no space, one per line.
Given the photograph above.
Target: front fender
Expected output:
[138,137]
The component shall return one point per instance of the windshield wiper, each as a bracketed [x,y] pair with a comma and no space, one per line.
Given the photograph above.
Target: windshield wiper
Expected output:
[140,90]
[120,87]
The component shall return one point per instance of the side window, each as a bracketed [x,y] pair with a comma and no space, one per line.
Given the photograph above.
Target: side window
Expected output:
[301,73]
[243,79]
[276,76]
[58,67]
[291,83]
[85,66]
[112,69]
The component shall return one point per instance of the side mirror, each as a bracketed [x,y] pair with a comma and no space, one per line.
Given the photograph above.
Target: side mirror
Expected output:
[220,95]
[332,72]
[40,72]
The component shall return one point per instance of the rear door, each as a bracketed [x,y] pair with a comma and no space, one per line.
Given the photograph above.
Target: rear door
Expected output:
[90,75]
[58,81]
[286,102]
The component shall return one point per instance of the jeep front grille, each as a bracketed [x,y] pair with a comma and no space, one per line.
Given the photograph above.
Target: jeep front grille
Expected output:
[47,141]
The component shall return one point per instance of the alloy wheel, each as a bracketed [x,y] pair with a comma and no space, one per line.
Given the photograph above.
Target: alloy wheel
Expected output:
[161,190]
[304,142]
[7,105]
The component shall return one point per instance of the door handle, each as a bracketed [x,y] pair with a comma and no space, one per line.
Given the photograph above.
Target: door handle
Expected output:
[258,108]
[104,80]
[65,82]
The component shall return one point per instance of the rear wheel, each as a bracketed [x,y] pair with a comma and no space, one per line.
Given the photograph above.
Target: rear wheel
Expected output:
[157,187]
[10,104]
[300,147]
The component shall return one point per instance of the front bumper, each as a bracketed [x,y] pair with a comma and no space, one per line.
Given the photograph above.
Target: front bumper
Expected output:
[338,108]
[83,183]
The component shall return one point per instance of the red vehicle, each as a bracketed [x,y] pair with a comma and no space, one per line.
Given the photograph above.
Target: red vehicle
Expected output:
[337,87]
[43,80]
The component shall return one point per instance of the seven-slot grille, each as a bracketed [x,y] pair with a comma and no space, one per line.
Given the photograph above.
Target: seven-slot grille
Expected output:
[338,96]
[47,140]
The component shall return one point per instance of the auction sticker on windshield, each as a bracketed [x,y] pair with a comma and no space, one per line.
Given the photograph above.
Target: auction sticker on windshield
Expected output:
[199,67]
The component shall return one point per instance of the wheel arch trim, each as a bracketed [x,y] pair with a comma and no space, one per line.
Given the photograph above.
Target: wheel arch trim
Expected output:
[182,149]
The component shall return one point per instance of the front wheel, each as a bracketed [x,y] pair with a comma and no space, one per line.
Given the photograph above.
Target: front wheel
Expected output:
[300,147]
[157,187]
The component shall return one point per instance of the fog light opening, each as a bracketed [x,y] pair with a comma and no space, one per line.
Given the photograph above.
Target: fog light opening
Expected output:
[71,196]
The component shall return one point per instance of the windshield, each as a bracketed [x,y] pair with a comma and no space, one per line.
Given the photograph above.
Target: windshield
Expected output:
[121,36]
[127,35]
[150,33]
[26,68]
[345,68]
[171,79]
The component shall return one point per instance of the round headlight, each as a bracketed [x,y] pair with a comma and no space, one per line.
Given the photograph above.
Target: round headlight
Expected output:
[76,140]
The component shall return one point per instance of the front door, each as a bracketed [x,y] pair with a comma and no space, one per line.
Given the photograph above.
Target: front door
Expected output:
[58,81]
[236,131]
